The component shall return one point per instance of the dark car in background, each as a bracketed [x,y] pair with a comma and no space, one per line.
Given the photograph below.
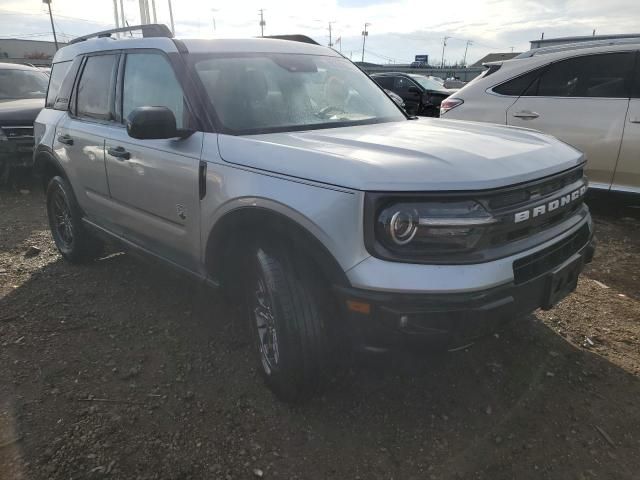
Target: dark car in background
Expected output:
[22,93]
[421,94]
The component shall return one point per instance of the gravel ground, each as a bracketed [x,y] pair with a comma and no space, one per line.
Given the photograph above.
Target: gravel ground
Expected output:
[119,369]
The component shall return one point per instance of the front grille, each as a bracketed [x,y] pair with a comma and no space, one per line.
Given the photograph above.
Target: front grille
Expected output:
[505,205]
[531,266]
[18,132]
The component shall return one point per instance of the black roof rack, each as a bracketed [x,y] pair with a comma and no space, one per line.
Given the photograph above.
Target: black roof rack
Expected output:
[149,30]
[293,38]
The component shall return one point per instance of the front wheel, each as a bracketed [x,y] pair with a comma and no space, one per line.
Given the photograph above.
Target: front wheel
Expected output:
[71,237]
[288,326]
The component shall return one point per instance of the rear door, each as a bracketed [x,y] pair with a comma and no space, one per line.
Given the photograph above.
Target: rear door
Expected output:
[154,183]
[79,138]
[582,101]
[627,175]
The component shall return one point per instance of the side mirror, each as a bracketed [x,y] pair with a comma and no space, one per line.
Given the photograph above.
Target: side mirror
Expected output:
[414,89]
[149,123]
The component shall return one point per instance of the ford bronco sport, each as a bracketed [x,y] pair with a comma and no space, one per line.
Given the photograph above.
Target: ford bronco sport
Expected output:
[278,170]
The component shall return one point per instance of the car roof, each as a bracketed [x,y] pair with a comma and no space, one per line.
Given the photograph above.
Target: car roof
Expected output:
[16,66]
[623,44]
[168,45]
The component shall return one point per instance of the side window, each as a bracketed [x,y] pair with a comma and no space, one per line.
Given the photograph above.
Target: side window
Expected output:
[606,75]
[385,82]
[58,72]
[518,85]
[94,96]
[149,80]
[401,84]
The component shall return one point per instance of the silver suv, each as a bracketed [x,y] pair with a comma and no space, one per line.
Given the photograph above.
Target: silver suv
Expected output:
[280,172]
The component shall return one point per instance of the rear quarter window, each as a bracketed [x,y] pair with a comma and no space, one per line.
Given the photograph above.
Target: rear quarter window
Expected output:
[58,72]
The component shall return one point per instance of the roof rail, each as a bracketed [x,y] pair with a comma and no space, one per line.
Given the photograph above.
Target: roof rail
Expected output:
[578,46]
[149,30]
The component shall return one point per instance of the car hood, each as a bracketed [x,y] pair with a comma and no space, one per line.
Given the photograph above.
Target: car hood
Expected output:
[21,112]
[416,155]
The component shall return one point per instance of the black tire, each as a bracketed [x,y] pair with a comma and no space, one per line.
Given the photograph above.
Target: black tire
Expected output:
[71,237]
[293,369]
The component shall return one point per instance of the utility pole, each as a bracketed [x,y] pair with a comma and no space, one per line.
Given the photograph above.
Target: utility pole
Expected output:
[122,20]
[115,13]
[173,29]
[53,28]
[444,44]
[262,22]
[464,61]
[330,38]
[365,34]
[153,8]
[143,16]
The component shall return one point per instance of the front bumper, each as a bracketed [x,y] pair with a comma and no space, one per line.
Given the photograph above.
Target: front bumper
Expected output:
[380,321]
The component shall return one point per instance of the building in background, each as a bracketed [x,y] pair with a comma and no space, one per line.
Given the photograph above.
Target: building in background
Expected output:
[33,52]
[552,42]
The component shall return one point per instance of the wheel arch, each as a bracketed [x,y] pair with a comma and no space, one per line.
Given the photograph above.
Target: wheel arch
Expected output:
[241,225]
[47,166]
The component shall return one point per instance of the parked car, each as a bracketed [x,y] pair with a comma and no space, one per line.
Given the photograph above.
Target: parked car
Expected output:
[22,92]
[587,95]
[282,174]
[396,98]
[421,94]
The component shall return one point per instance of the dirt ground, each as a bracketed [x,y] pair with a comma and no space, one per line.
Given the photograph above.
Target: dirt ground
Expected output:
[121,370]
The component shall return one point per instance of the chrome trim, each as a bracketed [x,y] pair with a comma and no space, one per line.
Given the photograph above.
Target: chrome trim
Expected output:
[455,222]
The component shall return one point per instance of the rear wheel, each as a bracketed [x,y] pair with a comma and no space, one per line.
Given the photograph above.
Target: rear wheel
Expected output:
[287,322]
[71,237]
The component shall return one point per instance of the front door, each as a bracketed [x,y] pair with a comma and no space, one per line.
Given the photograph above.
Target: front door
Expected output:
[410,93]
[154,183]
[582,101]
[627,176]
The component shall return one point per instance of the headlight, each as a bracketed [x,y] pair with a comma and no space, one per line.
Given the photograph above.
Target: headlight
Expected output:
[3,137]
[431,227]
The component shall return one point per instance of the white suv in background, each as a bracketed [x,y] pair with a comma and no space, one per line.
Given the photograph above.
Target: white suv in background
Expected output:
[587,95]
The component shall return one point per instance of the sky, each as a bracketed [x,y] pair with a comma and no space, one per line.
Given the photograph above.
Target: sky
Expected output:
[398,30]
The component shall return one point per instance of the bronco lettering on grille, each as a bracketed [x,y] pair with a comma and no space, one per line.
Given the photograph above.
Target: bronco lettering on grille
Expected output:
[550,206]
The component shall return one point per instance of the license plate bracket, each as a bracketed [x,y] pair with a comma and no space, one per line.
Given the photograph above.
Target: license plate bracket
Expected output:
[562,281]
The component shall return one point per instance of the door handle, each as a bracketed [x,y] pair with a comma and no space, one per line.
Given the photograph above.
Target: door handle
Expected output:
[119,152]
[634,120]
[526,115]
[66,139]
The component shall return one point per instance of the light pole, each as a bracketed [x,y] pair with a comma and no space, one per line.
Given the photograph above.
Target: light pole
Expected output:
[330,39]
[365,34]
[53,28]
[444,44]
[262,22]
[464,60]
